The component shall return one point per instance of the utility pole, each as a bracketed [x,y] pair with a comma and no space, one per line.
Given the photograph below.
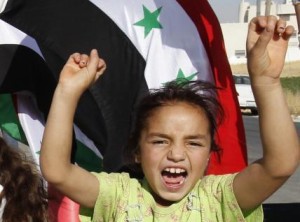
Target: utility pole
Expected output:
[258,9]
[268,7]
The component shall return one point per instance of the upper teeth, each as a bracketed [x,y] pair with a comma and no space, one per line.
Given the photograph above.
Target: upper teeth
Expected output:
[174,170]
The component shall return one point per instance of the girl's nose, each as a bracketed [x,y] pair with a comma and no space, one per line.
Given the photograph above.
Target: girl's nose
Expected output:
[176,154]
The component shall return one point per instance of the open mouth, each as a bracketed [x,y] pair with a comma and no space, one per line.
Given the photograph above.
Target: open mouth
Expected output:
[174,177]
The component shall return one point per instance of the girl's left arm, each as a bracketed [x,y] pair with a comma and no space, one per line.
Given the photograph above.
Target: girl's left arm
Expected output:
[267,44]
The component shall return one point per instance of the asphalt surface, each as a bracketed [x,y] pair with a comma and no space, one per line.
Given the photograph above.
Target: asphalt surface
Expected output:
[290,191]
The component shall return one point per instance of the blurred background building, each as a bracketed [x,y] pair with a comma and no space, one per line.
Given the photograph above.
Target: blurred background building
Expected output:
[235,33]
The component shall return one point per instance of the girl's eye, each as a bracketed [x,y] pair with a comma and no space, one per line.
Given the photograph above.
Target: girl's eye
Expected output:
[195,144]
[159,142]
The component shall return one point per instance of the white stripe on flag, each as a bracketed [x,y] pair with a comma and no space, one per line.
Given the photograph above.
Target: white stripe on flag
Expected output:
[2,5]
[32,123]
[12,35]
[176,46]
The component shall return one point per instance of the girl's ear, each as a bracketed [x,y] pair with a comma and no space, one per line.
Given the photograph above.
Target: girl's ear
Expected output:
[208,160]
[137,155]
[207,164]
[137,158]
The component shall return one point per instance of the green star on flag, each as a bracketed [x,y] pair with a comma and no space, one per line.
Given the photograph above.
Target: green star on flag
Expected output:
[182,78]
[150,20]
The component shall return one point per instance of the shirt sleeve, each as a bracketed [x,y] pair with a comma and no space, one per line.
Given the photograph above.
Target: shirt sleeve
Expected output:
[111,187]
[222,201]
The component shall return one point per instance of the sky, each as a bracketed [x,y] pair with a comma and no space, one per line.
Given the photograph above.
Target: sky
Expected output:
[227,10]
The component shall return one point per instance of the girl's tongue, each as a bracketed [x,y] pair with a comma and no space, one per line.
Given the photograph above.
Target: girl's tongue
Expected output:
[173,179]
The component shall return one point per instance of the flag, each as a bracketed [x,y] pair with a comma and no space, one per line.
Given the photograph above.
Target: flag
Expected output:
[144,43]
[22,118]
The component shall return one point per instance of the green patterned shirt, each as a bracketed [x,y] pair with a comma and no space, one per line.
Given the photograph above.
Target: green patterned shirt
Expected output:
[122,198]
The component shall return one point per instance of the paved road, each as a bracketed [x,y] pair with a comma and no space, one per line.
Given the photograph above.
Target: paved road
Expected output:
[290,191]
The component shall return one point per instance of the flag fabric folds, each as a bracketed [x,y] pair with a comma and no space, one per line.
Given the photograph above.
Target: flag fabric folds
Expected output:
[144,43]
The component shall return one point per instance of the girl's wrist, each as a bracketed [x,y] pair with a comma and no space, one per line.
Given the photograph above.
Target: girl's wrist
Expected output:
[72,88]
[265,82]
[66,93]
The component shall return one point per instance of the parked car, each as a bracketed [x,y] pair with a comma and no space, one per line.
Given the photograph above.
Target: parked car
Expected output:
[245,94]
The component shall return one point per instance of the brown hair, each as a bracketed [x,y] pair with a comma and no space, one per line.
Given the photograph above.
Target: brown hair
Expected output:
[23,188]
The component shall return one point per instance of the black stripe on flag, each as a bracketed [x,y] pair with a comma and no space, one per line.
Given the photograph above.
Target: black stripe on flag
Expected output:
[22,69]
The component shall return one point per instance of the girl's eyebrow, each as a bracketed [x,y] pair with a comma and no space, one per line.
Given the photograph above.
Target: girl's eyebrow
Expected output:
[158,135]
[197,136]
[162,135]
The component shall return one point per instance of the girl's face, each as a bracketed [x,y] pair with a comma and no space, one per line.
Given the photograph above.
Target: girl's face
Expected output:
[174,150]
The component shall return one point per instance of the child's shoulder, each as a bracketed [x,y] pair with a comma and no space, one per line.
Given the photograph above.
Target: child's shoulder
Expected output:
[123,178]
[219,177]
[215,181]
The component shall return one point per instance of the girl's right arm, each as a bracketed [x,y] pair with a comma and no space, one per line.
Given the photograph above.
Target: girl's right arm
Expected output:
[77,75]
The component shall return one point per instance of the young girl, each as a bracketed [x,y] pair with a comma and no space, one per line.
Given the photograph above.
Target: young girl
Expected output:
[22,193]
[172,141]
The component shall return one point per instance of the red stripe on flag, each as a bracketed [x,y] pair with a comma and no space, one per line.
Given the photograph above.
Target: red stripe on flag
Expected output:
[231,133]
